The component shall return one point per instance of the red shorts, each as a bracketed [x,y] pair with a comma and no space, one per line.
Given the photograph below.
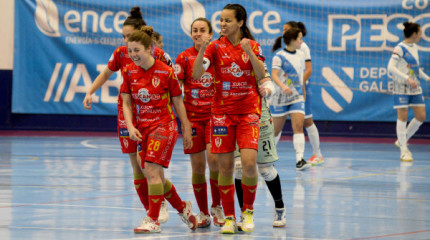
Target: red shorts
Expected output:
[127,145]
[226,129]
[201,136]
[158,143]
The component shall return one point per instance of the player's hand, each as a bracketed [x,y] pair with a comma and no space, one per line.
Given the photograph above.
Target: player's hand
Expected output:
[286,90]
[134,134]
[206,39]
[245,44]
[87,101]
[186,136]
[412,83]
[263,91]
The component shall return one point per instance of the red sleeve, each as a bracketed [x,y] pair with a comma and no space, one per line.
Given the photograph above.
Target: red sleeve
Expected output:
[179,67]
[125,86]
[114,63]
[258,51]
[209,52]
[173,86]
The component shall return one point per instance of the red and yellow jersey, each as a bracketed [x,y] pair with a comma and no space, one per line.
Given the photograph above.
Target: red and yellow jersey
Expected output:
[120,59]
[198,93]
[236,87]
[151,93]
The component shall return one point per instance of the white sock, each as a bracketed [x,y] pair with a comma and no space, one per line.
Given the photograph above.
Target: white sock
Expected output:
[276,138]
[299,145]
[401,133]
[314,139]
[412,128]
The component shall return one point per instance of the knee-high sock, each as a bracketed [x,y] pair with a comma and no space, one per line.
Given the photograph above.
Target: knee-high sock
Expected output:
[216,199]
[226,188]
[299,145]
[412,128]
[276,138]
[200,192]
[314,139]
[155,198]
[141,185]
[401,133]
[275,189]
[249,186]
[172,196]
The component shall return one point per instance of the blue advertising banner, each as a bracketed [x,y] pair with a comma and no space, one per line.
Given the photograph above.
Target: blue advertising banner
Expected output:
[61,47]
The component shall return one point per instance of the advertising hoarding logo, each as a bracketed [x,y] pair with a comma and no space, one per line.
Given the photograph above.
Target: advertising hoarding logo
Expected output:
[191,9]
[339,86]
[46,17]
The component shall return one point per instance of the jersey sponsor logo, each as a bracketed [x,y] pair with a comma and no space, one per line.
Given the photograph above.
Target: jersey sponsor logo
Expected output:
[219,131]
[226,86]
[206,80]
[219,121]
[218,142]
[225,93]
[245,57]
[235,70]
[144,96]
[339,86]
[123,132]
[155,81]
[195,93]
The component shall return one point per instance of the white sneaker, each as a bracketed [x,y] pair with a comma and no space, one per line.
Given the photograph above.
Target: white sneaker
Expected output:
[315,160]
[164,212]
[280,219]
[406,155]
[218,216]
[148,226]
[187,216]
[248,221]
[230,226]
[203,220]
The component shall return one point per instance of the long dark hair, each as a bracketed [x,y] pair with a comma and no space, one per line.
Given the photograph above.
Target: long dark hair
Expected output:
[241,14]
[293,24]
[410,28]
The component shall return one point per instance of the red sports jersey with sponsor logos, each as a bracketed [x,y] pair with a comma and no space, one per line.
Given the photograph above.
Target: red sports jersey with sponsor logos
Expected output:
[151,91]
[120,59]
[198,93]
[235,82]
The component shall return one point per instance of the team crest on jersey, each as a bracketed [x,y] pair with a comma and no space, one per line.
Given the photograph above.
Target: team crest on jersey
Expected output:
[245,57]
[219,121]
[177,69]
[206,79]
[218,142]
[125,143]
[155,81]
[143,95]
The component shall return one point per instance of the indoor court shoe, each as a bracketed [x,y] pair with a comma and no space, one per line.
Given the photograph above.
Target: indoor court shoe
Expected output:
[218,216]
[280,219]
[406,156]
[187,216]
[164,212]
[230,226]
[203,220]
[302,165]
[248,221]
[315,160]
[148,226]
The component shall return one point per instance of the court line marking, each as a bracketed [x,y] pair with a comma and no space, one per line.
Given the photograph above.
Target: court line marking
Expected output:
[390,235]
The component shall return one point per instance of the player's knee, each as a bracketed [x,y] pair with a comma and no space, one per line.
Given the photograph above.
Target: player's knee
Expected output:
[267,171]
[237,168]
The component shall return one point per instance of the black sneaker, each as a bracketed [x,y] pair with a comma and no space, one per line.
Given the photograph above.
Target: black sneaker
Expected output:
[302,165]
